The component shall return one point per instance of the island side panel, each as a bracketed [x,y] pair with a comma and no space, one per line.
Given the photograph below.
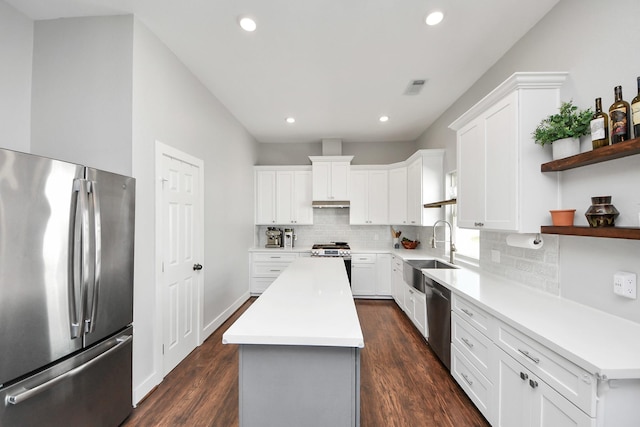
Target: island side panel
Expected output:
[299,385]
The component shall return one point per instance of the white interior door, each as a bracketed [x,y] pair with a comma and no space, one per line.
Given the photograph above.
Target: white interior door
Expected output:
[182,255]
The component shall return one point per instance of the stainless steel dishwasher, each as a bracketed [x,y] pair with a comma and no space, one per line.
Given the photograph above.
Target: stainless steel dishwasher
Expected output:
[439,319]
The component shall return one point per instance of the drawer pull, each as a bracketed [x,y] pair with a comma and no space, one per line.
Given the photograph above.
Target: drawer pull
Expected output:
[466,341]
[275,271]
[466,378]
[467,312]
[533,383]
[524,376]
[529,356]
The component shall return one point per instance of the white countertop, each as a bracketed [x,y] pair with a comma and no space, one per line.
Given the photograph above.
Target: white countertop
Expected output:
[309,304]
[599,342]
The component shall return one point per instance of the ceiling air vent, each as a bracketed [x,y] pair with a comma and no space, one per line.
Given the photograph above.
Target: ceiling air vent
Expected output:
[415,86]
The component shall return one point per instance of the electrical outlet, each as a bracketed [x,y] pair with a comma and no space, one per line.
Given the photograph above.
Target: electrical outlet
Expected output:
[624,284]
[375,236]
[495,256]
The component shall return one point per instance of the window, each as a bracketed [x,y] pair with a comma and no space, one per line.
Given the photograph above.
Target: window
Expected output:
[467,241]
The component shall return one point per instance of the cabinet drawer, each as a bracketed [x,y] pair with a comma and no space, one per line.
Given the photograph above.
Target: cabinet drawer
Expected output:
[470,342]
[478,318]
[475,385]
[277,257]
[571,381]
[260,284]
[397,263]
[268,269]
[363,258]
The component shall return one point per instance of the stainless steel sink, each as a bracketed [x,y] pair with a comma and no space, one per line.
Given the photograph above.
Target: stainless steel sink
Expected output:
[412,271]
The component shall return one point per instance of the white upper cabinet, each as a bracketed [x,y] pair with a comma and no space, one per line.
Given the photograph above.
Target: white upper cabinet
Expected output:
[500,186]
[398,195]
[331,176]
[283,196]
[424,185]
[369,197]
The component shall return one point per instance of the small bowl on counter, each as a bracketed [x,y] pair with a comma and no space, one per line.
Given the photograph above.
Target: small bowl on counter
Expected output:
[410,244]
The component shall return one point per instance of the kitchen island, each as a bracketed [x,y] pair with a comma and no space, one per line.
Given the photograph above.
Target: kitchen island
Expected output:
[300,349]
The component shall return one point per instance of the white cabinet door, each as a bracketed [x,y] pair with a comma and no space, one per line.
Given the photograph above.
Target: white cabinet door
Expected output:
[523,399]
[420,313]
[302,198]
[265,197]
[321,180]
[378,192]
[512,388]
[397,281]
[398,195]
[363,278]
[340,172]
[414,191]
[359,206]
[471,175]
[285,181]
[369,197]
[501,165]
[383,275]
[331,179]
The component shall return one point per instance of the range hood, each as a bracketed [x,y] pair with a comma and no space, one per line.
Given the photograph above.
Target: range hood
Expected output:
[330,204]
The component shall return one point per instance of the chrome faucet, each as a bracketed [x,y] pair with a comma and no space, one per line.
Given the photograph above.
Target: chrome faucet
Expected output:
[452,246]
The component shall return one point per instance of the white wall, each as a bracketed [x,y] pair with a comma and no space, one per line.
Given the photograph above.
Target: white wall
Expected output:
[170,105]
[597,44]
[81,104]
[16,51]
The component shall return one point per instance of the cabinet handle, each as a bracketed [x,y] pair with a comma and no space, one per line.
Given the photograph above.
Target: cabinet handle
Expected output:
[478,224]
[275,257]
[524,376]
[466,378]
[533,383]
[529,356]
[466,341]
[274,270]
[467,312]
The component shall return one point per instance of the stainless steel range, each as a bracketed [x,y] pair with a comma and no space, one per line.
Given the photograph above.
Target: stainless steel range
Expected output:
[334,249]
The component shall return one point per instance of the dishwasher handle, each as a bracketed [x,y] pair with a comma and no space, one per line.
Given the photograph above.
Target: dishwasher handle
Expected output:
[434,288]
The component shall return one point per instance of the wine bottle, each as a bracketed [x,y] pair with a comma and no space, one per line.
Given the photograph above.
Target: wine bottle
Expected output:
[600,126]
[620,120]
[635,113]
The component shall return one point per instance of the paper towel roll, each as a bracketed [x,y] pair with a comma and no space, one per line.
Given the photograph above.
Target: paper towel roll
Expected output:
[529,241]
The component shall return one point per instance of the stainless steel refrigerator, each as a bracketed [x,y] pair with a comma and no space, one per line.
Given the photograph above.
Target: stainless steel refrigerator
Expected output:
[66,293]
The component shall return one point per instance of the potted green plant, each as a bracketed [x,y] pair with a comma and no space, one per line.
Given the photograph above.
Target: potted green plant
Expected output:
[564,129]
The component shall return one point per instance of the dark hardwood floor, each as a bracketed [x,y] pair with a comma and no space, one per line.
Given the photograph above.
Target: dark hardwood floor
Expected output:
[402,382]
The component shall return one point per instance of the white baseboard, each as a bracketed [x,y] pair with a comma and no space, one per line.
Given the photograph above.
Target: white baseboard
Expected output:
[218,321]
[146,387]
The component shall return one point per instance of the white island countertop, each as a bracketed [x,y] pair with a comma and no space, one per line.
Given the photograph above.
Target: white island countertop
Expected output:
[309,304]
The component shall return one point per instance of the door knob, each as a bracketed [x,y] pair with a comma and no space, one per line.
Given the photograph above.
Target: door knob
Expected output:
[197,267]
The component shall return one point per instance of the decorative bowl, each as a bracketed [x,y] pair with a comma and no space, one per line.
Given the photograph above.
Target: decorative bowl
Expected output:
[408,244]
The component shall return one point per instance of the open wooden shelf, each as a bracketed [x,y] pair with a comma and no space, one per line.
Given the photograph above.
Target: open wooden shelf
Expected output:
[630,233]
[440,204]
[616,151]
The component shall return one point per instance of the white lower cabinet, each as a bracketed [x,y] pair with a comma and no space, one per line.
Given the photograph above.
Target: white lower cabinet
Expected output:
[371,275]
[266,267]
[397,280]
[416,308]
[523,399]
[515,381]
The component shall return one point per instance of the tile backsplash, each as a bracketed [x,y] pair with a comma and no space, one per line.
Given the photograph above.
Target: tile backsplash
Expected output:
[538,268]
[330,225]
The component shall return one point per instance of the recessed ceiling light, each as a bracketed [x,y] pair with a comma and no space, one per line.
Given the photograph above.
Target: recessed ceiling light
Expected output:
[290,120]
[384,119]
[434,18]
[248,24]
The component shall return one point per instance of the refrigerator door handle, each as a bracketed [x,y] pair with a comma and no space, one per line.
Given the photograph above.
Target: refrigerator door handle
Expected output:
[79,245]
[94,287]
[27,394]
